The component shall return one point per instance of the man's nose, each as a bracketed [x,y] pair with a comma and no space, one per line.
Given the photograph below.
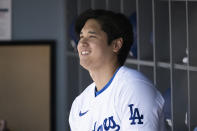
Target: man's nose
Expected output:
[84,42]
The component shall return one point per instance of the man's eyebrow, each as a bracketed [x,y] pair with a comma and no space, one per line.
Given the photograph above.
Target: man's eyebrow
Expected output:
[90,32]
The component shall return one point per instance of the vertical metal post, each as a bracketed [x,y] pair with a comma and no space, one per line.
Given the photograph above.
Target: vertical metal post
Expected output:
[171,63]
[107,4]
[122,6]
[138,34]
[92,4]
[188,71]
[78,6]
[154,43]
[79,68]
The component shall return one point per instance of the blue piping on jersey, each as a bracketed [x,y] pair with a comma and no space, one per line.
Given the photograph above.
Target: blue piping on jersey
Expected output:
[107,85]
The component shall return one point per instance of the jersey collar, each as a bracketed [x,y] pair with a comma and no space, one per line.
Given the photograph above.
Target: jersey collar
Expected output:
[107,85]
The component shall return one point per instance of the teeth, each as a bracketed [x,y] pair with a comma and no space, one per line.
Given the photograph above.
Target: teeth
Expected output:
[85,52]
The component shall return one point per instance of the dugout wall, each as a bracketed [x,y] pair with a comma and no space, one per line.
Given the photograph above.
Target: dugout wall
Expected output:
[165,52]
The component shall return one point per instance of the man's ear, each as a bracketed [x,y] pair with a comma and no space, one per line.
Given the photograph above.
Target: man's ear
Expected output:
[117,44]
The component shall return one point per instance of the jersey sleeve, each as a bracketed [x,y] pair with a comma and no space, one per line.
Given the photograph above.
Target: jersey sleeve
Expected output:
[140,107]
[73,116]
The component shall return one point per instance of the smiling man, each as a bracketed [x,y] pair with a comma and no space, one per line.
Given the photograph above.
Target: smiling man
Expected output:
[120,98]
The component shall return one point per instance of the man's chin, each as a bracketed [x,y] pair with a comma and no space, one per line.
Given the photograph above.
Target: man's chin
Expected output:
[84,65]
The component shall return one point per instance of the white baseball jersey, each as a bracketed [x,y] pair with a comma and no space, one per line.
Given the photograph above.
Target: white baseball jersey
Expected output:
[129,102]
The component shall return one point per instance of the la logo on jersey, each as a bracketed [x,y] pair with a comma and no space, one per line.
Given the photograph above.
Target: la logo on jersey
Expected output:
[135,115]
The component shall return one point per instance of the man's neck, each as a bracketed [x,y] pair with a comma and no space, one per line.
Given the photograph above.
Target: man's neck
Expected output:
[102,76]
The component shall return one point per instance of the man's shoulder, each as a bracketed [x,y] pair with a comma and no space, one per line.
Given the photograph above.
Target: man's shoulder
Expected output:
[130,78]
[132,83]
[86,93]
[132,74]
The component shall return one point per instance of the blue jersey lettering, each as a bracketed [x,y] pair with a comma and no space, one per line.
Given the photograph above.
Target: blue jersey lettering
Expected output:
[108,124]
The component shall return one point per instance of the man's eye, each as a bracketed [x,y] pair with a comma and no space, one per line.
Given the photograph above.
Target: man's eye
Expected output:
[92,36]
[80,37]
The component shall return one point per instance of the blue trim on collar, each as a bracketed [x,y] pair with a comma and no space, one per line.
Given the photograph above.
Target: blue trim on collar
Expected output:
[107,85]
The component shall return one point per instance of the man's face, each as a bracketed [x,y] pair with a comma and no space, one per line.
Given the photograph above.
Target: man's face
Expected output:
[94,51]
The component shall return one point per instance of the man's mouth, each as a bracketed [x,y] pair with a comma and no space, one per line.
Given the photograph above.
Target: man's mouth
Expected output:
[85,52]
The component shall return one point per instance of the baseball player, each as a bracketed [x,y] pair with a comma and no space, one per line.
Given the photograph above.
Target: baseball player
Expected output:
[120,98]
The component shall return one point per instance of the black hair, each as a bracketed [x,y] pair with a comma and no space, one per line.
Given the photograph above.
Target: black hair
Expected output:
[115,25]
